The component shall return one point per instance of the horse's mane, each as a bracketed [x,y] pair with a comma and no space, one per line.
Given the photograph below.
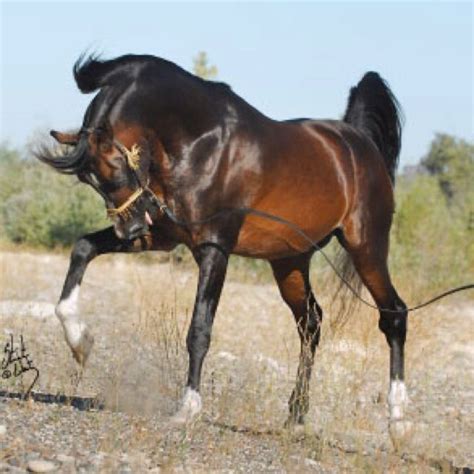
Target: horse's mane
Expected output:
[91,72]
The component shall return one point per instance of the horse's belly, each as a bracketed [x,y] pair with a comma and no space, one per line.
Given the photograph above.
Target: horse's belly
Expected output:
[262,238]
[312,206]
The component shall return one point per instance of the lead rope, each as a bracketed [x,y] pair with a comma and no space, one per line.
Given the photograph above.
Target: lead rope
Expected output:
[265,215]
[133,156]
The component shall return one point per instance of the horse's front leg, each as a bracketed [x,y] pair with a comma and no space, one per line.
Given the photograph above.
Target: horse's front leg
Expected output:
[78,337]
[212,261]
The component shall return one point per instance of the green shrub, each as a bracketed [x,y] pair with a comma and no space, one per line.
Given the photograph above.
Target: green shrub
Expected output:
[432,243]
[42,208]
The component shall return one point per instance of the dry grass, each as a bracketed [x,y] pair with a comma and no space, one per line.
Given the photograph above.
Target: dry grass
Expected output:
[139,314]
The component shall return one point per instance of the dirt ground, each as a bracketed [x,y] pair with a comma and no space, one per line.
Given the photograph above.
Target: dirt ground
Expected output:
[139,311]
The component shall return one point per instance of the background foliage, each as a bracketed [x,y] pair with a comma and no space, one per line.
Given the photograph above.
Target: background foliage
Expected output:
[39,207]
[432,239]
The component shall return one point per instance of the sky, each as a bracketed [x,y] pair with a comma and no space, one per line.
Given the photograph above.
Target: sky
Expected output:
[288,59]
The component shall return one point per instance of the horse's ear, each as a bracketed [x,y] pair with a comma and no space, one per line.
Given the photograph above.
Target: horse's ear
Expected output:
[65,138]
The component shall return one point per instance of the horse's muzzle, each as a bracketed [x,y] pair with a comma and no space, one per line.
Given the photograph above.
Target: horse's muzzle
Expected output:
[132,230]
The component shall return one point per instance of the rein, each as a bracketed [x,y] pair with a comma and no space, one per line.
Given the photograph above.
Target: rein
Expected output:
[132,158]
[265,215]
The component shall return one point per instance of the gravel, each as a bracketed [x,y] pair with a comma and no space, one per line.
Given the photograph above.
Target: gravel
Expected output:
[136,371]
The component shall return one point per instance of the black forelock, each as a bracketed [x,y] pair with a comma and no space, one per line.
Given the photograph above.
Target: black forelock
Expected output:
[71,163]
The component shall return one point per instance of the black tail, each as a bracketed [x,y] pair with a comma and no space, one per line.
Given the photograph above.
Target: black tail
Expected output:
[373,109]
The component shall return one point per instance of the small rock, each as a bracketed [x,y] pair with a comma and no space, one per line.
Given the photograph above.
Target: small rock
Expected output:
[4,467]
[41,465]
[311,463]
[97,458]
[227,356]
[85,468]
[15,462]
[3,430]
[65,459]
[453,412]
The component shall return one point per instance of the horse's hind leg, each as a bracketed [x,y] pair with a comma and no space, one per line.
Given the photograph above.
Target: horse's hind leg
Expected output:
[370,259]
[292,276]
[77,334]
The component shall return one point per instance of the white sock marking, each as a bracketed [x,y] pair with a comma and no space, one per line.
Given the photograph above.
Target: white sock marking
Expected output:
[66,311]
[68,306]
[190,407]
[397,399]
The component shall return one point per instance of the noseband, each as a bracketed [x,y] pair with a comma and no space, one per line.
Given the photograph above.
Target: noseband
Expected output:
[124,211]
[132,158]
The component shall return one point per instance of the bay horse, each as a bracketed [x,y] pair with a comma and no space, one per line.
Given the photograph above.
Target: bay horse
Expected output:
[175,157]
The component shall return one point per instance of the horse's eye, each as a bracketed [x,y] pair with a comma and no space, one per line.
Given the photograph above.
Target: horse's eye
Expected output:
[105,147]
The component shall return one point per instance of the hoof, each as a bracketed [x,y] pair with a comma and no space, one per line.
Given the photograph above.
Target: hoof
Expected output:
[296,430]
[292,421]
[190,409]
[82,349]
[297,414]
[401,432]
[299,429]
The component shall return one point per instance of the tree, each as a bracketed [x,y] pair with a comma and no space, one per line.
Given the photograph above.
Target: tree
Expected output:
[451,160]
[201,67]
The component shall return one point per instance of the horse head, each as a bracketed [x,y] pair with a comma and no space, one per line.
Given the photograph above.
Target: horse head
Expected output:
[119,173]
